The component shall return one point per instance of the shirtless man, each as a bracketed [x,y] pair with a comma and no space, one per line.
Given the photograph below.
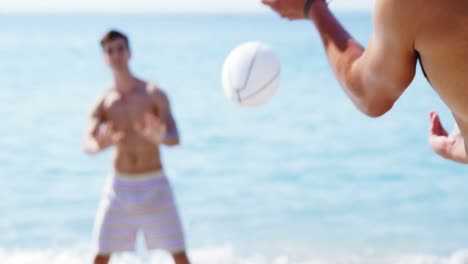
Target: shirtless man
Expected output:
[135,117]
[433,31]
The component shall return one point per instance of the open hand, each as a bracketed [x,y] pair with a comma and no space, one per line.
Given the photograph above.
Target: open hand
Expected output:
[439,139]
[107,136]
[152,129]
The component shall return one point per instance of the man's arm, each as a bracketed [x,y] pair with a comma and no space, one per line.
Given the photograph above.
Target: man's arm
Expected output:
[98,137]
[90,144]
[451,146]
[171,137]
[375,77]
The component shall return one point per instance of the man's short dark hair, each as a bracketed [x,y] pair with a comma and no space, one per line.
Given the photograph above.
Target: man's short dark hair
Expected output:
[113,35]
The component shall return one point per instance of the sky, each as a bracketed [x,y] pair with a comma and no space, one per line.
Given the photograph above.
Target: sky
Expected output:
[164,6]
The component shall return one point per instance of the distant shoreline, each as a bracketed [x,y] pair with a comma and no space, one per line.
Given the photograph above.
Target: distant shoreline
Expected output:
[152,13]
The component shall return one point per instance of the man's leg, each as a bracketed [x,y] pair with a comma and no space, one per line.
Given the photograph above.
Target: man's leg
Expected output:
[180,258]
[101,259]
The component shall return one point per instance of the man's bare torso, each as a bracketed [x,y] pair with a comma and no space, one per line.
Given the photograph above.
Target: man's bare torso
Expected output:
[133,154]
[442,40]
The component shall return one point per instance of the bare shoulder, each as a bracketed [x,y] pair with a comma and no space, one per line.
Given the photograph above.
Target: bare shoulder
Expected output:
[402,7]
[98,108]
[156,93]
[399,15]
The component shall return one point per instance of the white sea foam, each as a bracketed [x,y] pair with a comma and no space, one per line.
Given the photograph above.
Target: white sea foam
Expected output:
[226,255]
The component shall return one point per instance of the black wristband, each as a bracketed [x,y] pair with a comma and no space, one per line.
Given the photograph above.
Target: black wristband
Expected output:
[307,6]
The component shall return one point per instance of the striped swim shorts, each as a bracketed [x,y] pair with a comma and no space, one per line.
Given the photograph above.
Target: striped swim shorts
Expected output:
[133,203]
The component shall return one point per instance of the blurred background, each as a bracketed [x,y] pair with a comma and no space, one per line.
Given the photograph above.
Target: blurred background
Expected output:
[305,178]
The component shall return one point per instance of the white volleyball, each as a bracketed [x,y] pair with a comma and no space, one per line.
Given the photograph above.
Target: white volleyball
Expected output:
[251,74]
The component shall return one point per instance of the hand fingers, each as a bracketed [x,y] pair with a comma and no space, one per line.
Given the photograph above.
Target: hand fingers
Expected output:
[110,135]
[152,121]
[432,115]
[143,130]
[436,127]
[110,131]
[434,122]
[108,126]
[438,143]
[148,117]
[102,131]
[105,128]
[119,136]
[149,120]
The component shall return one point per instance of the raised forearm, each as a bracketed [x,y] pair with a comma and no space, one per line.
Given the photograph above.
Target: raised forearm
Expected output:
[93,146]
[341,49]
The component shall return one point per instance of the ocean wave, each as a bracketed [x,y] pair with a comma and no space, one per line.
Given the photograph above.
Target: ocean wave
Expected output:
[225,255]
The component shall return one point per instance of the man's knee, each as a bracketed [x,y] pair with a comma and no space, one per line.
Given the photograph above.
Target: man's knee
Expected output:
[101,259]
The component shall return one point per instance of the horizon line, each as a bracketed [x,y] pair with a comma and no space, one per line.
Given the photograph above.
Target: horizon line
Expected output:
[154,12]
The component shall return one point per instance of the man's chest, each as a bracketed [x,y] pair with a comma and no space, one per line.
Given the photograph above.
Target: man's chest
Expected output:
[127,110]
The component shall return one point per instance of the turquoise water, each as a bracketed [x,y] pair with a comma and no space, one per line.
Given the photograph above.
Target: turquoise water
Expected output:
[303,179]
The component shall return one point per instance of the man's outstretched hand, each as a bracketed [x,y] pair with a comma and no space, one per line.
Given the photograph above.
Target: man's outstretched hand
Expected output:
[451,146]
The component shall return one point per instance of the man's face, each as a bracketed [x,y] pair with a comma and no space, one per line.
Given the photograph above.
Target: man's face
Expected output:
[116,54]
